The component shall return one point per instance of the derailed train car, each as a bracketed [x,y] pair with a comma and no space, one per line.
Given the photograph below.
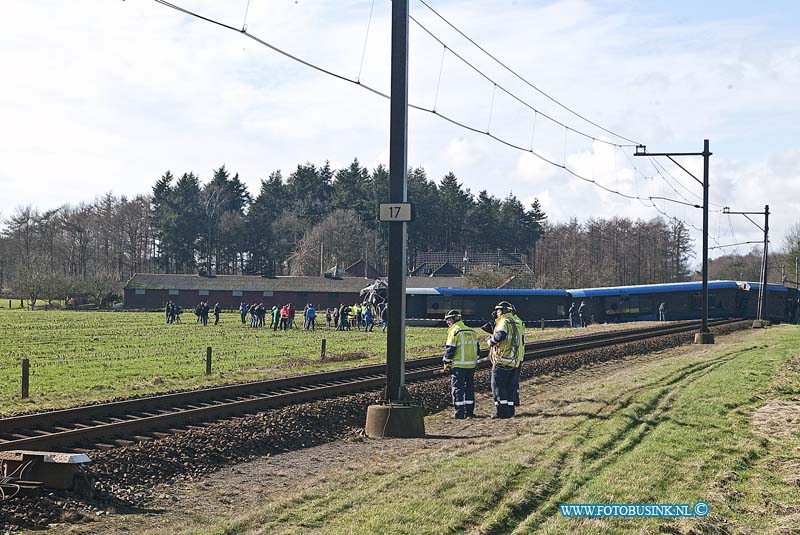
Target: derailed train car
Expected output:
[427,306]
[781,302]
[684,301]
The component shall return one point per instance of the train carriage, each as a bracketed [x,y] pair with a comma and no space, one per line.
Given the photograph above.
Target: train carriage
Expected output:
[427,306]
[780,301]
[683,301]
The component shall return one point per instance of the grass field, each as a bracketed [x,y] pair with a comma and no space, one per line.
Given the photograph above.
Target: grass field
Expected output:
[79,357]
[718,424]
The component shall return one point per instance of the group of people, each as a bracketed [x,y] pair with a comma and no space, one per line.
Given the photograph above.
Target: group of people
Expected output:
[172,312]
[506,352]
[202,310]
[280,317]
[341,318]
[358,316]
[578,315]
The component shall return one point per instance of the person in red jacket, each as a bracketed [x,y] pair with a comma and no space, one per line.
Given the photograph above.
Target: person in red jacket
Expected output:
[284,317]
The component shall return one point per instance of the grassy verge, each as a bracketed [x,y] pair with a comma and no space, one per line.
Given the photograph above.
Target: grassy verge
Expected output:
[693,425]
[80,357]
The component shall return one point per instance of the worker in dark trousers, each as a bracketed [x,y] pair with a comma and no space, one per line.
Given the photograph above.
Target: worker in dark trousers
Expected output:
[521,355]
[217,311]
[205,310]
[311,318]
[243,312]
[368,322]
[503,351]
[460,358]
[583,314]
[573,315]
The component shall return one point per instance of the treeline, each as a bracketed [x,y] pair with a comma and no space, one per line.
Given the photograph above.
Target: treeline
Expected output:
[71,250]
[310,220]
[782,267]
[613,252]
[327,215]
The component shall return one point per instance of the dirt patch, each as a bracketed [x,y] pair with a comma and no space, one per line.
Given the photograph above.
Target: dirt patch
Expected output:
[289,363]
[345,357]
[778,418]
[790,469]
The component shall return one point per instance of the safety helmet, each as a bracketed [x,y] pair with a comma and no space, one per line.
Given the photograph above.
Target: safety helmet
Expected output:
[454,315]
[508,305]
[502,307]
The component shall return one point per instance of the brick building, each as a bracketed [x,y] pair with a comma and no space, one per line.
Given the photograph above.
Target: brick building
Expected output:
[153,290]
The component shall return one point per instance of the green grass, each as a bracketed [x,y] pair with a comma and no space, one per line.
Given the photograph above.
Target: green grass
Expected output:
[670,430]
[80,357]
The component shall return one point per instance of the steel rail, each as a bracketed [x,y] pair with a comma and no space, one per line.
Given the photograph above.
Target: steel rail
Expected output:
[129,418]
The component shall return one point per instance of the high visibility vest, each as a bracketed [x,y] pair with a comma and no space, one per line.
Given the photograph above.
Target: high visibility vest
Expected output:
[463,339]
[505,353]
[521,330]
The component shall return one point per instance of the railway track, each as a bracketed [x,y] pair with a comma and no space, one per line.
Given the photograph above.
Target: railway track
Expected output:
[111,424]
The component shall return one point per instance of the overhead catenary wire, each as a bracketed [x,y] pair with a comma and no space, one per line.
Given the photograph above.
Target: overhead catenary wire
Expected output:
[667,182]
[447,118]
[521,78]
[508,92]
[665,173]
[366,40]
[246,11]
[439,79]
[735,244]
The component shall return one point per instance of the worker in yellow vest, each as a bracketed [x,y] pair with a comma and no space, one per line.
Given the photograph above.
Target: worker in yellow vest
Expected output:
[504,351]
[521,359]
[460,359]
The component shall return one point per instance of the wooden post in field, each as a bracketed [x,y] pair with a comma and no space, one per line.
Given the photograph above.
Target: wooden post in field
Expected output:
[26,370]
[322,353]
[208,360]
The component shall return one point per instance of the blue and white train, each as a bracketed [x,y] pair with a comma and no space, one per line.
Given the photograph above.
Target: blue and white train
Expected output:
[682,300]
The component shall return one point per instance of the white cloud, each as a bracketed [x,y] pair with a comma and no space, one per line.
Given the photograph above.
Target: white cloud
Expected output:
[103,96]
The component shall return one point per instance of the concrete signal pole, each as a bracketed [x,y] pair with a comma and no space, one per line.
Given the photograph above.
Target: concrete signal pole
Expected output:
[396,416]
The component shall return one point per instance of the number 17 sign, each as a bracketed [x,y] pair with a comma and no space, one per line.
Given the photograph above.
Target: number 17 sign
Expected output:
[396,212]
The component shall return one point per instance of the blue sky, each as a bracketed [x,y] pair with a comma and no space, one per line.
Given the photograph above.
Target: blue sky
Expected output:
[105,96]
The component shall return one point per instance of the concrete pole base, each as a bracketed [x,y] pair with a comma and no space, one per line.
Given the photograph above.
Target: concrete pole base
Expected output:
[395,421]
[760,324]
[703,338]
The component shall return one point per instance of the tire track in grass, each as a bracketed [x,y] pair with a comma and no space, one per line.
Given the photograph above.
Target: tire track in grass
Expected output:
[530,507]
[523,500]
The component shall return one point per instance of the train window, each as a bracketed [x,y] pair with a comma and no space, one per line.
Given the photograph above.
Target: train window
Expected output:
[628,304]
[436,304]
[612,305]
[714,301]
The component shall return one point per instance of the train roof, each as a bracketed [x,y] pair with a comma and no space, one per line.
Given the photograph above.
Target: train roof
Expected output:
[521,292]
[756,286]
[652,288]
